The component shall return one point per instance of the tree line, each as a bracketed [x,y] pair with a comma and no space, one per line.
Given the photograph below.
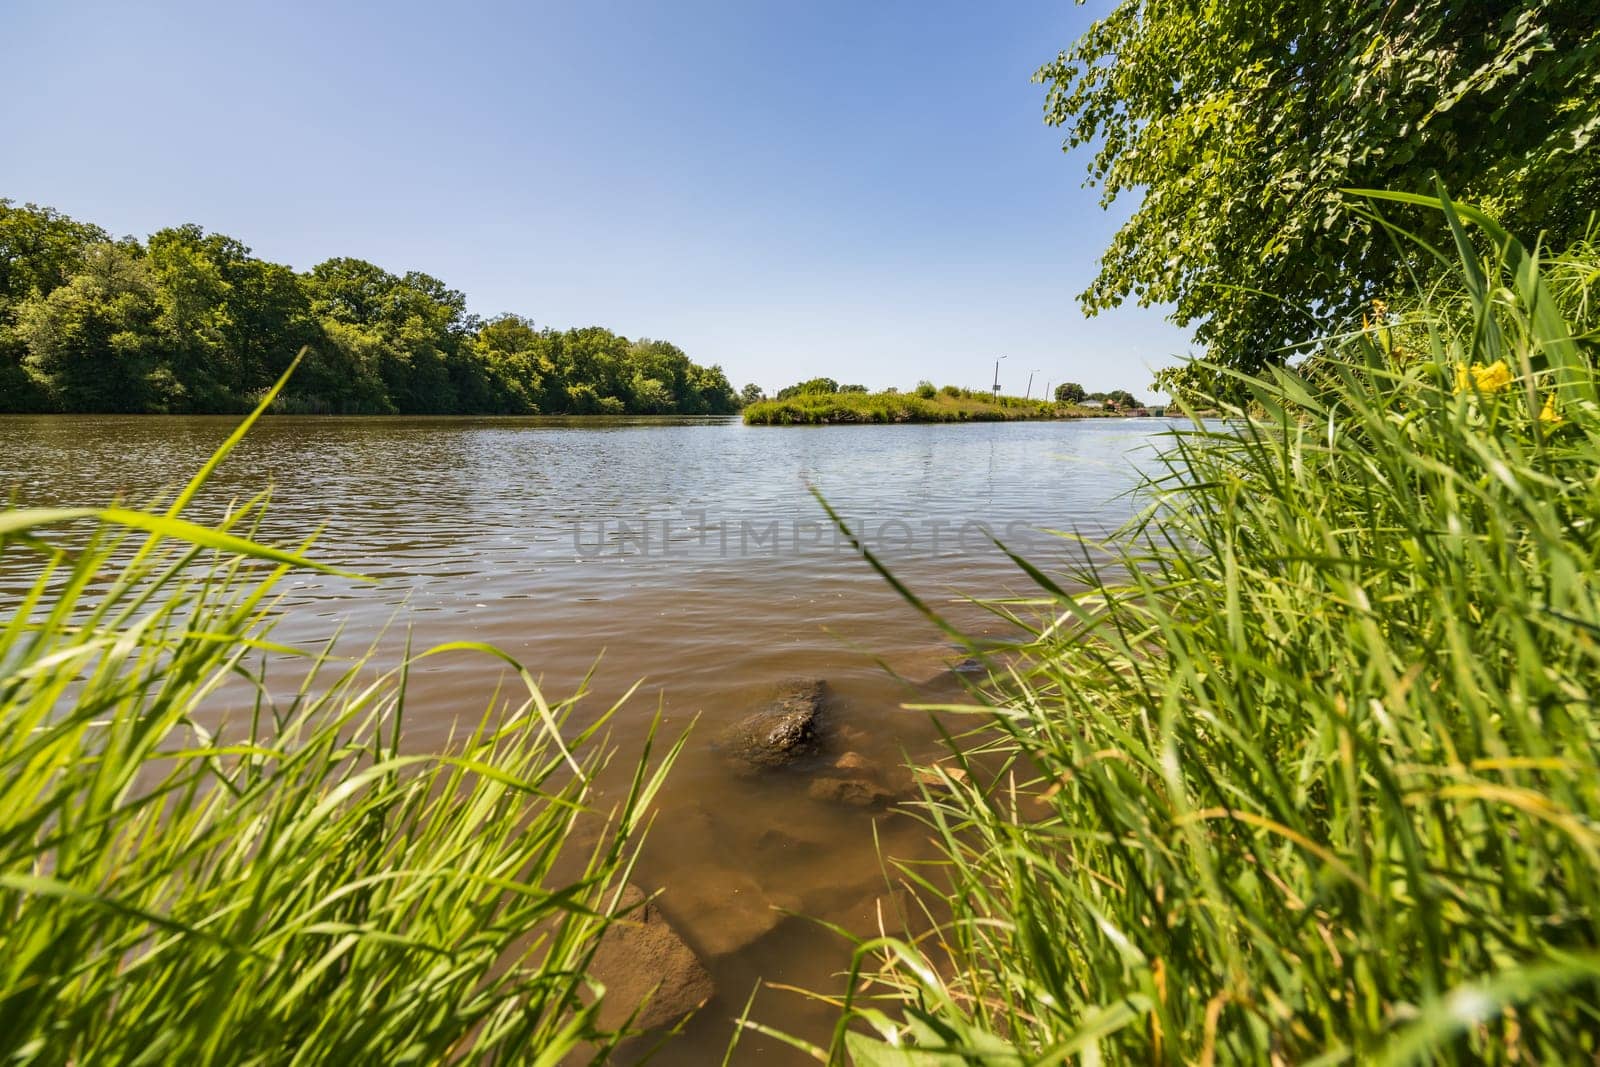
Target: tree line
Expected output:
[191,322]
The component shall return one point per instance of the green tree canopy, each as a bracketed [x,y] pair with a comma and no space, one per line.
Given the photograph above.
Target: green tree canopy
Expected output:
[809,387]
[1240,123]
[1120,399]
[1069,393]
[193,322]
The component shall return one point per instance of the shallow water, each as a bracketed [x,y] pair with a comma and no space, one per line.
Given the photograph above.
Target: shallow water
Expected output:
[689,554]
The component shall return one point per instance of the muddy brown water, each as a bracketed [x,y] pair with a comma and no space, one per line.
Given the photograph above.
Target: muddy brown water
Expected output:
[686,554]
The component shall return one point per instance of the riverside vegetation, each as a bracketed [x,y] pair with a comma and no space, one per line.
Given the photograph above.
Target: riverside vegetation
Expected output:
[1301,768]
[820,402]
[1308,771]
[289,887]
[191,323]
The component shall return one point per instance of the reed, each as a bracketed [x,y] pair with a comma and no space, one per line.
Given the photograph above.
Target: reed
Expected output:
[1310,773]
[288,886]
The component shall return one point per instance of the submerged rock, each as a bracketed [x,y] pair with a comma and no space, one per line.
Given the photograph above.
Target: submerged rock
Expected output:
[935,667]
[792,842]
[641,957]
[854,736]
[722,911]
[857,765]
[788,729]
[856,792]
[931,777]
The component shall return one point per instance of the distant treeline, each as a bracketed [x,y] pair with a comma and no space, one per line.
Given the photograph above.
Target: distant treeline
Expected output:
[191,322]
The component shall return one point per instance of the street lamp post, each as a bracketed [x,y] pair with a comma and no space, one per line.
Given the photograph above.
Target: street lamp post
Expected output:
[1029,394]
[997,375]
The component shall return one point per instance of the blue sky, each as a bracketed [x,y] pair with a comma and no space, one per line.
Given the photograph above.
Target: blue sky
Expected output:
[860,190]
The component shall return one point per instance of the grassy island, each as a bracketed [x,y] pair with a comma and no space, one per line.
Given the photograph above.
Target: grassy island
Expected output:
[950,404]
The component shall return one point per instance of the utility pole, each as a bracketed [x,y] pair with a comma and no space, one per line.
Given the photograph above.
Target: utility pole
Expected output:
[997,375]
[1029,394]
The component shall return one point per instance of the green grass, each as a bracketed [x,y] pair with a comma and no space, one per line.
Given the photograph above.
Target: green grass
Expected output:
[1311,772]
[965,405]
[288,887]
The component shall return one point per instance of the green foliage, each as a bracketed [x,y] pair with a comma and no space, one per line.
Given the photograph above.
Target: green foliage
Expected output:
[1118,398]
[290,886]
[810,387]
[1069,393]
[91,343]
[819,408]
[1304,766]
[1198,385]
[1237,125]
[926,390]
[192,322]
[751,394]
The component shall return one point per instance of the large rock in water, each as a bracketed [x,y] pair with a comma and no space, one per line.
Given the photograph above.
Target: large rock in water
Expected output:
[641,957]
[788,729]
[723,911]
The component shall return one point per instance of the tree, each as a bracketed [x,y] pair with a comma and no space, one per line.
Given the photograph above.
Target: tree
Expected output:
[810,387]
[93,339]
[926,390]
[1069,393]
[1200,386]
[751,394]
[1240,123]
[40,250]
[194,322]
[1122,400]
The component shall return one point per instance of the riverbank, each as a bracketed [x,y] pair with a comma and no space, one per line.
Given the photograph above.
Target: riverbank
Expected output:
[1348,812]
[821,409]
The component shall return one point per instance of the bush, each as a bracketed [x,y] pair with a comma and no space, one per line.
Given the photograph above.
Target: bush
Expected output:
[926,390]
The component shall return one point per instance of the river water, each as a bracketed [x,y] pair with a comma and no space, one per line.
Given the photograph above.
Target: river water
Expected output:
[689,555]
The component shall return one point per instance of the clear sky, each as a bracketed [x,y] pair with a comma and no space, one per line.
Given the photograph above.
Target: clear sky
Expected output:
[864,190]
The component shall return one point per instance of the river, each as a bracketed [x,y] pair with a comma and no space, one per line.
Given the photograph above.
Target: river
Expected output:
[686,554]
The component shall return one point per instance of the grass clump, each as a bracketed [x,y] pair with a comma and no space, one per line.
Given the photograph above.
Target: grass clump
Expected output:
[1313,773]
[925,404]
[291,887]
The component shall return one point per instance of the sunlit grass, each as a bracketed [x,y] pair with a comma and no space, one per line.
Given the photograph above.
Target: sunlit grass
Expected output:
[1311,774]
[289,885]
[819,408]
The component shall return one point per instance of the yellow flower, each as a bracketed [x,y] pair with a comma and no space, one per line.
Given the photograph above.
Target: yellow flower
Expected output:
[1550,416]
[1491,379]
